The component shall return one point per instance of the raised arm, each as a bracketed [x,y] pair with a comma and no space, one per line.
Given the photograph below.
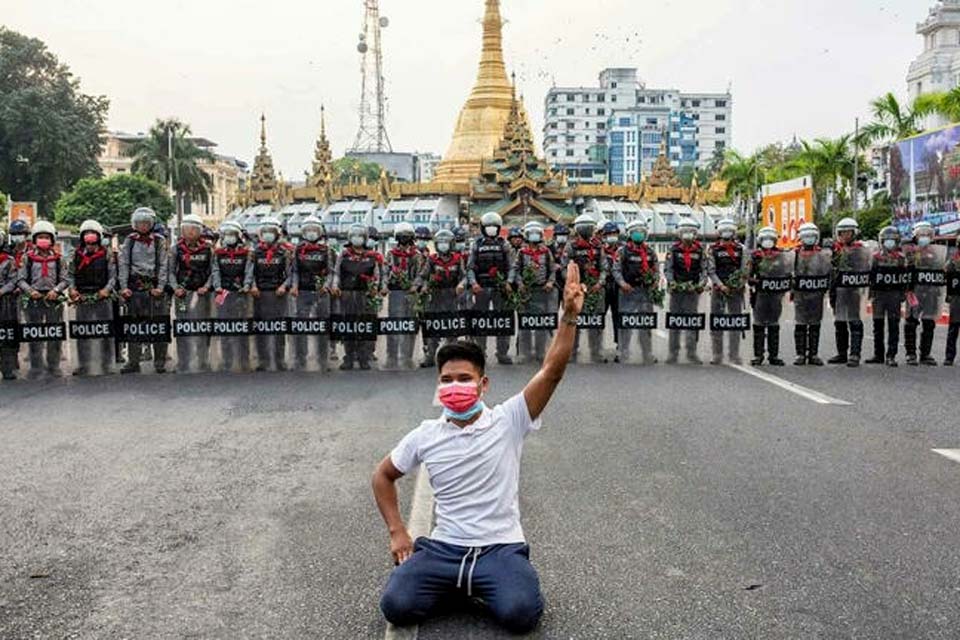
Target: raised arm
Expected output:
[540,389]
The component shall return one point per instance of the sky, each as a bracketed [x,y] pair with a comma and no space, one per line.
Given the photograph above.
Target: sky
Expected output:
[795,67]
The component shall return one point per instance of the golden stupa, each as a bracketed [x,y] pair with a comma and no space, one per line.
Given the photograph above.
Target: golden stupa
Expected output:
[482,119]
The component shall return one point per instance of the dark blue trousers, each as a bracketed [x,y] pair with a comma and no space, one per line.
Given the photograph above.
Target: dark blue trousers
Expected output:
[437,575]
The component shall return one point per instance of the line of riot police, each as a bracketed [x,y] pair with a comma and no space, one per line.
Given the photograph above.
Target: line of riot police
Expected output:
[233,279]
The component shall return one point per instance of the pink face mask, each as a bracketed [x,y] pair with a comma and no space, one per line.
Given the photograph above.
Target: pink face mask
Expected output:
[44,243]
[458,397]
[91,238]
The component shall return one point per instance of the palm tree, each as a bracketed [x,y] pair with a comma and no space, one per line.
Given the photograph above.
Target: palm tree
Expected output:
[893,121]
[942,103]
[743,175]
[153,159]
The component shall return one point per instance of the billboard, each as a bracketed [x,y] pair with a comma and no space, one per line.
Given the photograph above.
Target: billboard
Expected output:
[26,211]
[925,180]
[786,206]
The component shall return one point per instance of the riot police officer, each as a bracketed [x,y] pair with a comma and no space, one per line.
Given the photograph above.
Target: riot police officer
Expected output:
[268,279]
[142,279]
[587,251]
[561,237]
[611,300]
[770,270]
[43,281]
[928,261]
[91,281]
[9,309]
[191,271]
[228,278]
[356,282]
[443,279]
[515,238]
[423,237]
[402,266]
[889,282]
[727,266]
[953,279]
[851,270]
[312,279]
[686,275]
[489,269]
[19,239]
[811,281]
[536,282]
[636,271]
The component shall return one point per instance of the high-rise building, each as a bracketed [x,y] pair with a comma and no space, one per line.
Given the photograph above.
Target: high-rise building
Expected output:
[938,67]
[613,131]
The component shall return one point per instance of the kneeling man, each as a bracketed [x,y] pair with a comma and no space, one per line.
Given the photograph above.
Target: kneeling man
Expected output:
[472,455]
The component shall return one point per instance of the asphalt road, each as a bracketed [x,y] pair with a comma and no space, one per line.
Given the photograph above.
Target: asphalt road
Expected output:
[669,502]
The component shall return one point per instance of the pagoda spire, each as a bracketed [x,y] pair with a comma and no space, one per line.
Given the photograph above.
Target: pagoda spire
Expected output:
[263,177]
[322,173]
[480,125]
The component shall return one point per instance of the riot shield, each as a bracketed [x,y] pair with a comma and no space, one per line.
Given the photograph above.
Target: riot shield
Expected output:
[772,278]
[811,281]
[929,278]
[851,275]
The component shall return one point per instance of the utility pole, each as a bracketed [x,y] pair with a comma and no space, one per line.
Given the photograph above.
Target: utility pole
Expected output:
[170,165]
[856,169]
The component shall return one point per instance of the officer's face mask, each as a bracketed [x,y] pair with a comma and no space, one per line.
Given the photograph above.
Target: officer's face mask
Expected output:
[230,240]
[491,232]
[562,239]
[809,241]
[269,237]
[371,243]
[768,243]
[726,235]
[889,245]
[44,243]
[534,238]
[443,247]
[421,244]
[687,237]
[461,246]
[91,238]
[357,241]
[18,239]
[923,241]
[638,236]
[585,232]
[311,236]
[612,240]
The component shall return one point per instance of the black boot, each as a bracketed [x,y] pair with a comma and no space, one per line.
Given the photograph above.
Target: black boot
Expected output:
[878,341]
[910,341]
[773,346]
[813,346]
[926,343]
[953,333]
[843,343]
[801,334]
[759,337]
[856,344]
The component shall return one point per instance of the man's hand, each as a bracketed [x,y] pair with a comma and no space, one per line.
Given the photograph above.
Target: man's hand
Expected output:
[335,292]
[548,286]
[180,293]
[254,291]
[574,292]
[202,291]
[460,289]
[126,294]
[724,289]
[74,295]
[401,546]
[156,293]
[477,289]
[282,291]
[295,291]
[596,287]
[53,296]
[626,287]
[35,295]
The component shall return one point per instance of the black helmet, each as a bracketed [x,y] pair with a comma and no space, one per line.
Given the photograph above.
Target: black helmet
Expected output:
[515,232]
[610,228]
[373,233]
[423,233]
[19,228]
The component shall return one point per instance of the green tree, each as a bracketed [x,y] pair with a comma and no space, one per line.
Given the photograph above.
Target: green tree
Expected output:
[111,200]
[716,162]
[350,170]
[50,132]
[151,158]
[743,174]
[893,121]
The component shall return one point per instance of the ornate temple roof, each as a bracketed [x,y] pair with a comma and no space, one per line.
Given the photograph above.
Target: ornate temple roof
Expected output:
[480,125]
[263,177]
[321,176]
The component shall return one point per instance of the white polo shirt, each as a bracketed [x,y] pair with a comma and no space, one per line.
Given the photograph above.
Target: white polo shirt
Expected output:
[474,472]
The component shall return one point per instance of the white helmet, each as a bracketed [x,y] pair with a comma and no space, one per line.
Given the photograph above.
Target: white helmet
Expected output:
[769,233]
[43,227]
[533,232]
[491,219]
[687,225]
[923,229]
[313,222]
[403,229]
[727,226]
[809,231]
[848,224]
[270,222]
[143,214]
[640,224]
[191,220]
[91,225]
[231,226]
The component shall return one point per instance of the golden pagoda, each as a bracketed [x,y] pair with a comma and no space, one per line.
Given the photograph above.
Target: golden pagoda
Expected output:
[482,119]
[263,178]
[321,176]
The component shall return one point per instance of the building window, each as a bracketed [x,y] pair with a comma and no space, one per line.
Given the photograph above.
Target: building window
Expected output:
[586,111]
[571,97]
[613,85]
[695,103]
[553,125]
[569,153]
[721,103]
[602,112]
[721,130]
[601,139]
[571,139]
[601,126]
[613,98]
[569,112]
[642,100]
[553,153]
[571,125]
[602,97]
[721,117]
[586,97]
